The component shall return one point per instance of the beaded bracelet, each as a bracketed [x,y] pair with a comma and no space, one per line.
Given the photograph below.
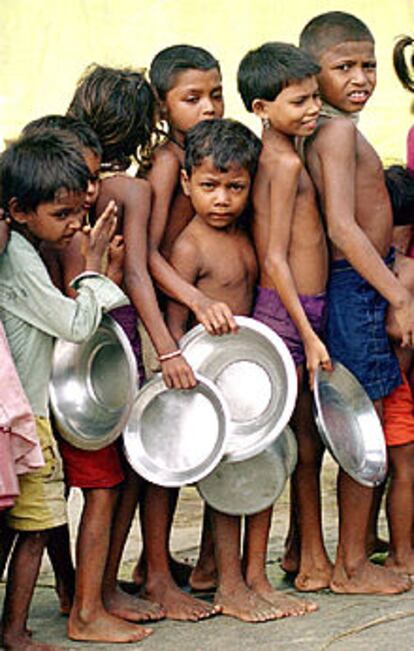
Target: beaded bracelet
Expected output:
[167,356]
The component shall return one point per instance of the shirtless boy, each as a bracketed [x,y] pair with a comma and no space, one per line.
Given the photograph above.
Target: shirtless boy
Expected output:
[350,181]
[215,253]
[277,82]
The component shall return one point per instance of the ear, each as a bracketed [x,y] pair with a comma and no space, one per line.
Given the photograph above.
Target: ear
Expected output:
[17,213]
[185,183]
[162,107]
[259,107]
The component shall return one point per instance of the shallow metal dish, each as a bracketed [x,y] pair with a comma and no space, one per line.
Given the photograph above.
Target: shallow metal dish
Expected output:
[93,386]
[349,425]
[255,372]
[176,437]
[251,486]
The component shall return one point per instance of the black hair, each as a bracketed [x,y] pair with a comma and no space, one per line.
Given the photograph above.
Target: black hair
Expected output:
[400,185]
[120,106]
[404,72]
[35,169]
[263,73]
[330,29]
[171,61]
[85,134]
[227,142]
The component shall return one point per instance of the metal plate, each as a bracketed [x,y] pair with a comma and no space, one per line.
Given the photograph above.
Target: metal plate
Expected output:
[349,425]
[176,437]
[256,375]
[251,486]
[93,386]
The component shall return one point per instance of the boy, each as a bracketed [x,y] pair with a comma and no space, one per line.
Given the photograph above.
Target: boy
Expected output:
[43,180]
[277,82]
[350,181]
[215,254]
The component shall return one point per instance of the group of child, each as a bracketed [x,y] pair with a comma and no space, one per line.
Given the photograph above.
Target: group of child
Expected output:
[295,230]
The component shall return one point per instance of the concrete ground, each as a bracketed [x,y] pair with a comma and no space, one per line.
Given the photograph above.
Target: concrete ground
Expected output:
[341,623]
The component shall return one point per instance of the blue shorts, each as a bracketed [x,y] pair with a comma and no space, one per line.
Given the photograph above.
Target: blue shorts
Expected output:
[355,331]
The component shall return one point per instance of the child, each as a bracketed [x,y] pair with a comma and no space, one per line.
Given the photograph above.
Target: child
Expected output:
[277,82]
[215,254]
[350,181]
[122,126]
[404,74]
[43,181]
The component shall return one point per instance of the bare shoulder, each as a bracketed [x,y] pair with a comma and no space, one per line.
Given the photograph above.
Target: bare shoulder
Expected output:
[125,188]
[276,163]
[188,243]
[335,132]
[164,158]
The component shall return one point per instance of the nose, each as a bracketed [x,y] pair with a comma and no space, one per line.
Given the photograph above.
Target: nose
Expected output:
[359,76]
[315,105]
[77,220]
[222,197]
[208,107]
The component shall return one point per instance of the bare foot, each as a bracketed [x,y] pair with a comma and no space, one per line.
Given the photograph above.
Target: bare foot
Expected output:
[103,627]
[368,578]
[203,579]
[24,642]
[314,578]
[286,606]
[180,571]
[176,603]
[377,546]
[65,597]
[132,608]
[402,565]
[242,603]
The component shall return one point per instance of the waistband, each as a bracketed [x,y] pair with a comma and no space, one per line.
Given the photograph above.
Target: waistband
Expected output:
[344,265]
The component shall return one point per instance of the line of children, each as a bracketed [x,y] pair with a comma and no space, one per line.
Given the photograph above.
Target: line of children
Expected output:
[184,225]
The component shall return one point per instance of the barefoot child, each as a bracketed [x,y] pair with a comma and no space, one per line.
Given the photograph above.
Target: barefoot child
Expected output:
[215,254]
[44,180]
[350,181]
[277,82]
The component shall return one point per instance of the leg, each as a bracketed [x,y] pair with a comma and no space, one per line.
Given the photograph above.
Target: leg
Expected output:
[353,573]
[400,505]
[291,556]
[116,601]
[255,550]
[88,620]
[233,595]
[315,568]
[375,545]
[22,576]
[58,548]
[160,585]
[204,575]
[7,538]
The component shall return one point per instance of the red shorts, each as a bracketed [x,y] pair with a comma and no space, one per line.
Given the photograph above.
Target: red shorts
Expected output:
[398,415]
[91,468]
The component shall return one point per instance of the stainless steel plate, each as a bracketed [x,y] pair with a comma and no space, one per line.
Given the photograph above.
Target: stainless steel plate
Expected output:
[349,425]
[251,486]
[93,386]
[256,375]
[176,437]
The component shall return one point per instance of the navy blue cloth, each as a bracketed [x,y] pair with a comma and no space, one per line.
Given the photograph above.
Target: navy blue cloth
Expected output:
[355,330]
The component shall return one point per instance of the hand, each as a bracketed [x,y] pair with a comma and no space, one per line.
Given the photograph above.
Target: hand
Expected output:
[316,356]
[98,238]
[178,374]
[216,317]
[404,317]
[116,258]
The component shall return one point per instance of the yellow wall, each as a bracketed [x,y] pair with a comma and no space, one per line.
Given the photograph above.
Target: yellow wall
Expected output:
[46,44]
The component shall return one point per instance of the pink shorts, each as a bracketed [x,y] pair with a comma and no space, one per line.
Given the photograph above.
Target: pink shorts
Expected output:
[91,468]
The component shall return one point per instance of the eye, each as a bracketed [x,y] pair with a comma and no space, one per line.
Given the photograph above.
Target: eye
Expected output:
[191,99]
[237,187]
[299,101]
[207,185]
[62,214]
[370,65]
[94,178]
[344,67]
[217,95]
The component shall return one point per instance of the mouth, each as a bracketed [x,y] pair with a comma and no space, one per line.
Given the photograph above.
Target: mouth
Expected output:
[359,96]
[310,124]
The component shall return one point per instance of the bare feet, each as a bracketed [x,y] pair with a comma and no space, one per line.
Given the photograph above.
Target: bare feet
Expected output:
[176,603]
[103,627]
[314,577]
[65,597]
[24,642]
[131,608]
[286,606]
[368,578]
[180,571]
[401,565]
[203,579]
[242,603]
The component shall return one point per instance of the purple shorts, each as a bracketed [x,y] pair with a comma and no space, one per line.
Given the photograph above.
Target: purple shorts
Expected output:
[127,318]
[269,309]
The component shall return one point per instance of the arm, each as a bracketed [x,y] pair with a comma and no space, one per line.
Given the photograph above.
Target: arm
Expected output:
[337,153]
[136,197]
[4,231]
[215,316]
[283,191]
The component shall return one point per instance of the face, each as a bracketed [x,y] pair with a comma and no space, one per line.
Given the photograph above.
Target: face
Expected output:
[93,163]
[348,76]
[219,198]
[196,95]
[55,221]
[295,110]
